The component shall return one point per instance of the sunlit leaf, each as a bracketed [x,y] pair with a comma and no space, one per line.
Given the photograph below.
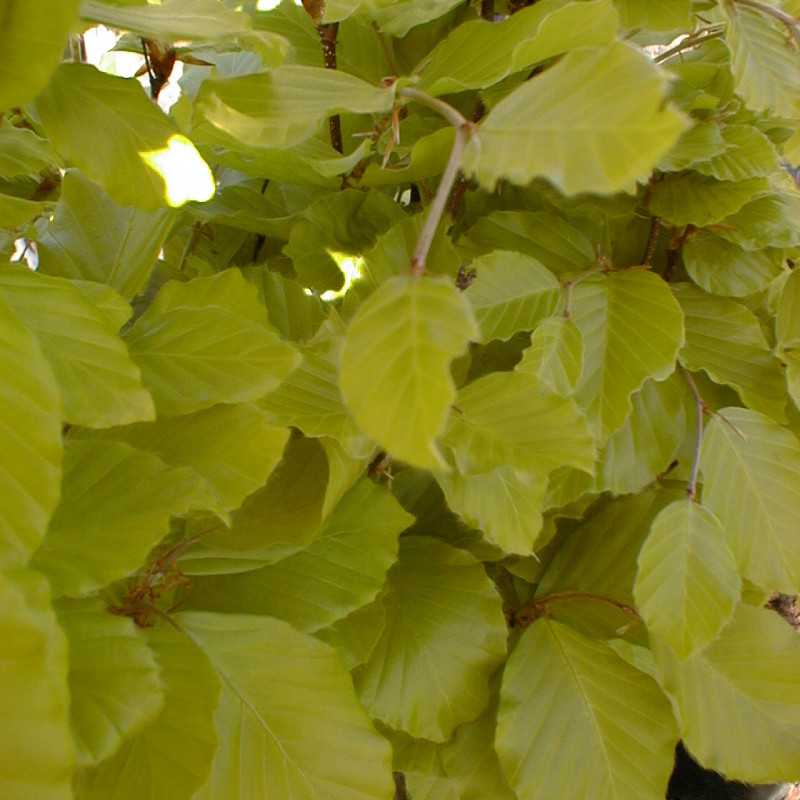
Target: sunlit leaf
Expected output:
[555,356]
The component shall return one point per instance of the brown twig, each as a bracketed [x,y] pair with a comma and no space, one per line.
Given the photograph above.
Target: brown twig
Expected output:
[487,9]
[327,36]
[652,242]
[159,63]
[537,607]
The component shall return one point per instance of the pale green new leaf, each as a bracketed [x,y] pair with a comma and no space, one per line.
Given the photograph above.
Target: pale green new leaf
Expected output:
[764,60]
[33,36]
[738,701]
[283,107]
[511,293]
[235,448]
[505,504]
[687,586]
[787,322]
[395,365]
[722,267]
[586,144]
[100,384]
[769,221]
[632,330]
[724,338]
[576,720]
[655,15]
[751,481]
[289,723]
[196,20]
[397,17]
[354,637]
[343,569]
[427,159]
[510,419]
[202,343]
[94,239]
[114,680]
[481,53]
[700,143]
[444,637]
[690,198]
[170,758]
[38,752]
[750,154]
[644,447]
[30,441]
[109,128]
[116,503]
[555,356]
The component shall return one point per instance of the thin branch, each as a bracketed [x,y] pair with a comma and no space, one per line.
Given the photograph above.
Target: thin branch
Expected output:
[327,36]
[652,242]
[773,11]
[487,9]
[691,489]
[463,128]
[538,607]
[693,40]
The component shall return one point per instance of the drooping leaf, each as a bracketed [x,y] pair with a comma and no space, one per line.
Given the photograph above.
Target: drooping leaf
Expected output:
[560,685]
[114,679]
[194,353]
[170,758]
[32,40]
[555,356]
[511,293]
[724,339]
[94,239]
[481,53]
[395,367]
[100,385]
[750,468]
[533,133]
[234,448]
[632,330]
[38,753]
[108,128]
[510,419]
[746,726]
[343,569]
[444,629]
[30,440]
[289,723]
[687,586]
[116,503]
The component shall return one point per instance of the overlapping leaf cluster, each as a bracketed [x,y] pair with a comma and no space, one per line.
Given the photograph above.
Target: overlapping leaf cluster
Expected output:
[309,477]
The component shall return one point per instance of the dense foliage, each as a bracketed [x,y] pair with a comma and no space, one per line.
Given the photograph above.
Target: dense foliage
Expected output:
[419,395]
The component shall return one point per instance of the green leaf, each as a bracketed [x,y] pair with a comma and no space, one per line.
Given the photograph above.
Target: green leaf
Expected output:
[116,505]
[94,239]
[445,631]
[787,322]
[24,154]
[511,293]
[555,357]
[34,704]
[395,377]
[233,447]
[505,504]
[687,586]
[533,133]
[17,211]
[645,446]
[194,352]
[354,637]
[768,221]
[746,726]
[510,419]
[481,53]
[548,238]
[632,330]
[749,154]
[100,384]
[203,20]
[750,467]
[560,686]
[722,267]
[655,15]
[397,17]
[170,758]
[283,107]
[32,40]
[689,198]
[30,440]
[702,142]
[427,159]
[724,338]
[108,128]
[764,60]
[289,723]
[114,680]
[343,569]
